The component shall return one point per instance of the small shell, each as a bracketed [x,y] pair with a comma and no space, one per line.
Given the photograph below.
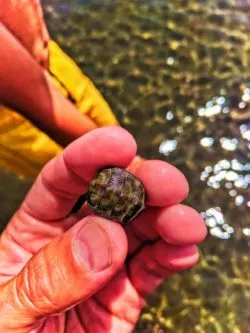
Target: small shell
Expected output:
[116,195]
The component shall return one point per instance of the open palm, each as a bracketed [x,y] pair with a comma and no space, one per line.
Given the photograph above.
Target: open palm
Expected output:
[62,272]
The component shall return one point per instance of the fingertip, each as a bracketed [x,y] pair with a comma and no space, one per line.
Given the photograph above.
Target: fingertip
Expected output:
[176,258]
[180,225]
[106,146]
[184,259]
[164,184]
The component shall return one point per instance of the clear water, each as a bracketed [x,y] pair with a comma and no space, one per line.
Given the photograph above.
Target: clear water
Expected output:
[183,67]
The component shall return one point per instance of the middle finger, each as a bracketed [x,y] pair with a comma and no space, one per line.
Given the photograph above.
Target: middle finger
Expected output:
[165,187]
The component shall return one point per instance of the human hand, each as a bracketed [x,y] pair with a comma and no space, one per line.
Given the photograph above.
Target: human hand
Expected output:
[82,273]
[25,20]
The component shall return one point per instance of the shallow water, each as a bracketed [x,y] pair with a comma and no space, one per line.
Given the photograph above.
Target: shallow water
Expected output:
[177,75]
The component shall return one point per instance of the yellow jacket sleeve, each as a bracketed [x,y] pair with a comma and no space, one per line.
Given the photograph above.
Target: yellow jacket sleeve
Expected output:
[79,88]
[24,148]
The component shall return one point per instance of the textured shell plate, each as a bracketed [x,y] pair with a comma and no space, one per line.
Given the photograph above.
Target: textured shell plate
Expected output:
[116,195]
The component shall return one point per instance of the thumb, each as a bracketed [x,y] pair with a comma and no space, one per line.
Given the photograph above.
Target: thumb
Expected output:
[67,271]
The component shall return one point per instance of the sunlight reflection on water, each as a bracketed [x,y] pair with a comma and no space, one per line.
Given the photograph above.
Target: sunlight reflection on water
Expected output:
[177,75]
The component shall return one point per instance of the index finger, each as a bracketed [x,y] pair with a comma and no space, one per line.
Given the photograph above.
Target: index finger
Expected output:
[66,177]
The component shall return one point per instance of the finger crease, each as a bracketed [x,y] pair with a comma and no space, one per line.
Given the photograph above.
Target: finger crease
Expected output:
[70,170]
[140,235]
[152,272]
[59,192]
[104,306]
[27,209]
[79,317]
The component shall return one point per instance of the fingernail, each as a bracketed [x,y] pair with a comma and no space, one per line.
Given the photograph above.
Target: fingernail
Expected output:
[92,247]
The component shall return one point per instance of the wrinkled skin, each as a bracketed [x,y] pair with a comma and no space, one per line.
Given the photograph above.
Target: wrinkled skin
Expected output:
[83,273]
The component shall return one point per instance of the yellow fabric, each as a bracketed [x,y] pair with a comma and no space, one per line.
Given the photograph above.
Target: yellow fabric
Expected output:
[24,149]
[79,87]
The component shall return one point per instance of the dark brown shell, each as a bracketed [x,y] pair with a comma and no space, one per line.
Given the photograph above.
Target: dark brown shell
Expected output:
[116,195]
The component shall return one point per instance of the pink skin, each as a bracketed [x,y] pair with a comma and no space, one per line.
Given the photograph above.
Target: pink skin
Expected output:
[25,85]
[78,266]
[24,19]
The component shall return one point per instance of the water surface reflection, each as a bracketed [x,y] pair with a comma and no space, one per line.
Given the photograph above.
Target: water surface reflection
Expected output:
[183,68]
